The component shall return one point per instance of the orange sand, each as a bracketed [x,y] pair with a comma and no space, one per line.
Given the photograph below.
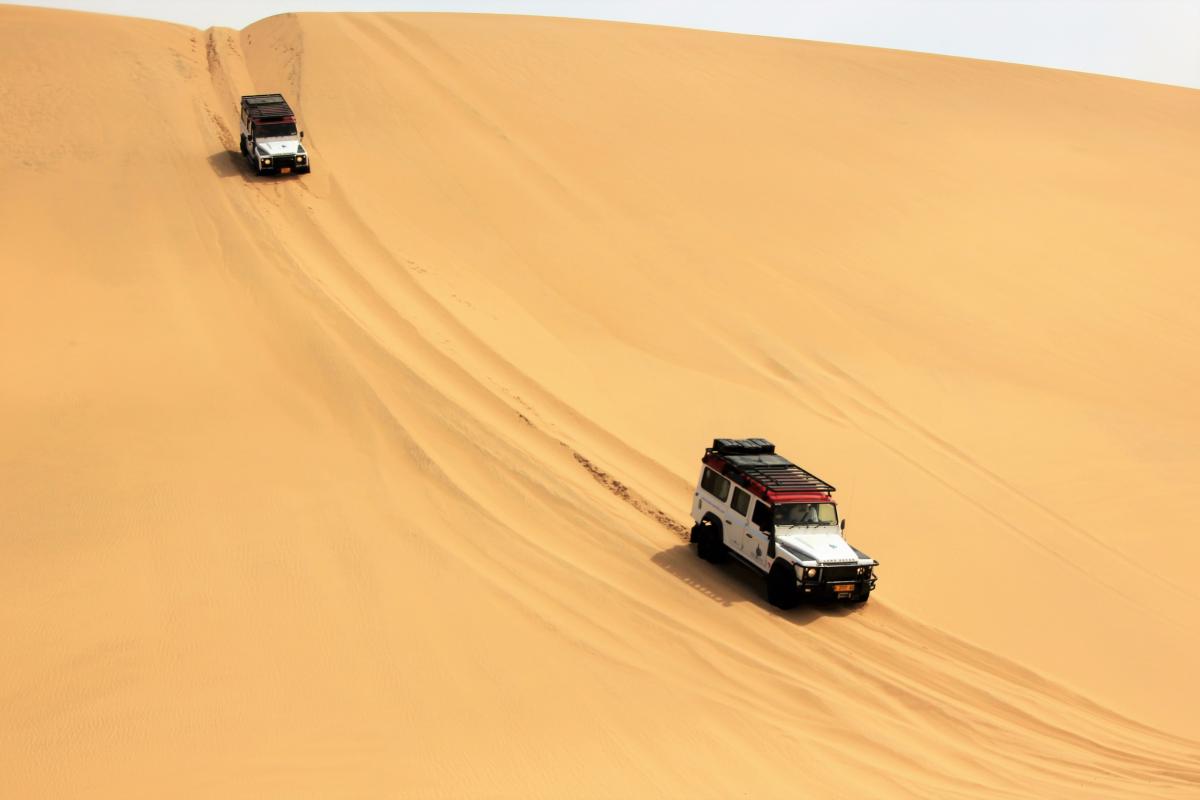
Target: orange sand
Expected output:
[293,495]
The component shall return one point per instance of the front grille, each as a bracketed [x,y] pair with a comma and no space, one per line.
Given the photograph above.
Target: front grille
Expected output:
[283,161]
[832,574]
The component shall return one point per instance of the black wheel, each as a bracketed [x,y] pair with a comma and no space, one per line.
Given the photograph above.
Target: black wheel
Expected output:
[782,591]
[242,145]
[704,546]
[304,170]
[709,544]
[860,596]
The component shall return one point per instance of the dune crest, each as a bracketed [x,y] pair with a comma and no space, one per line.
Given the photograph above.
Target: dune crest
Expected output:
[377,479]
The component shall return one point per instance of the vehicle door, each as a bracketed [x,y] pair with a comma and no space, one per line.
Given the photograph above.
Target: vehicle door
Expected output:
[714,498]
[757,535]
[739,507]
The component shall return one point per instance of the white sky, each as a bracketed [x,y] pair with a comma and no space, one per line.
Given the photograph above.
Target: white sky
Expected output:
[1151,40]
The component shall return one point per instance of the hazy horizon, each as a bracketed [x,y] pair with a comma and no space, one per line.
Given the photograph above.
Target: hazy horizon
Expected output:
[1151,40]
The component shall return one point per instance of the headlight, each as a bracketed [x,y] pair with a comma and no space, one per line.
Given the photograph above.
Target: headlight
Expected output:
[811,572]
[266,162]
[299,159]
[861,570]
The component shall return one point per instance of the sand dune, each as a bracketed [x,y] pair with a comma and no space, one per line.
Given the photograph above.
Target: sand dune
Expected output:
[306,486]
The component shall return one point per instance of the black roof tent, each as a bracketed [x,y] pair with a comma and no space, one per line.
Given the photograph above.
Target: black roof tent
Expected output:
[742,446]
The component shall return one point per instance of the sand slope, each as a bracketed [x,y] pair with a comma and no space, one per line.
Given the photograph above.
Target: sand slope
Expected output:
[309,487]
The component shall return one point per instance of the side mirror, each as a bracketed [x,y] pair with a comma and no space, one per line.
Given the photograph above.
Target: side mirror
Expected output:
[843,524]
[771,544]
[301,134]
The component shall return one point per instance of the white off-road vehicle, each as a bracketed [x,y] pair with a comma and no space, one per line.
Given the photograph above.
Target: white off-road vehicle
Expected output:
[778,519]
[270,141]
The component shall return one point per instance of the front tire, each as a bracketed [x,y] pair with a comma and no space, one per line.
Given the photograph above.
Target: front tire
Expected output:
[860,597]
[242,145]
[782,591]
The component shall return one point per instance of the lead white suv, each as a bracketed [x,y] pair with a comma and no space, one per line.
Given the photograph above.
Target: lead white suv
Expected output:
[778,519]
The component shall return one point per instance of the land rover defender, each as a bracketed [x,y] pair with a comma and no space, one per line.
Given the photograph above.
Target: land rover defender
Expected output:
[270,141]
[780,520]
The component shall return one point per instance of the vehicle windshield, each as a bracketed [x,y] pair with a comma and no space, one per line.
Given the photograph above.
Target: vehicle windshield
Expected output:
[806,514]
[275,129]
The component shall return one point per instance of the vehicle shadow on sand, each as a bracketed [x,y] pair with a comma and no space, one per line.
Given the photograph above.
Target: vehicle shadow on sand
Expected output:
[231,164]
[733,582]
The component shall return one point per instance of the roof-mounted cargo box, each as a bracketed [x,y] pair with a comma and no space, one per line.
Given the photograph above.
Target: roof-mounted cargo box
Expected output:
[743,447]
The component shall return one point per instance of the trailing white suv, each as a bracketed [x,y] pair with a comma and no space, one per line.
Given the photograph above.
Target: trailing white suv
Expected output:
[779,520]
[270,141]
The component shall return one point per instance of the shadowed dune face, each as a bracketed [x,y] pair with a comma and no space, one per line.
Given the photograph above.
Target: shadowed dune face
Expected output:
[375,481]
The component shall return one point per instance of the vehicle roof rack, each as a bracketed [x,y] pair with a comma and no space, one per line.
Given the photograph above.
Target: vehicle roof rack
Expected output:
[775,476]
[263,106]
[753,463]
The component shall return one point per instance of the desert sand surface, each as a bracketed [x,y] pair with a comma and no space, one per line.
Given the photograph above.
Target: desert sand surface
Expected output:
[373,483]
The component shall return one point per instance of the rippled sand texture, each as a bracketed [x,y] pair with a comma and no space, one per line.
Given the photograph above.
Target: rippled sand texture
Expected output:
[373,482]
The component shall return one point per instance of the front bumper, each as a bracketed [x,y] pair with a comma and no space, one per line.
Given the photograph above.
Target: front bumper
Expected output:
[836,588]
[290,163]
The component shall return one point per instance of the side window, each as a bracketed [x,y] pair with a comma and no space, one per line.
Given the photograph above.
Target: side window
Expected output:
[714,484]
[741,501]
[762,516]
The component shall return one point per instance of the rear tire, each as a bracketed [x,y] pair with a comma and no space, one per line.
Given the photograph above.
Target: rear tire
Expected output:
[782,591]
[242,145]
[709,544]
